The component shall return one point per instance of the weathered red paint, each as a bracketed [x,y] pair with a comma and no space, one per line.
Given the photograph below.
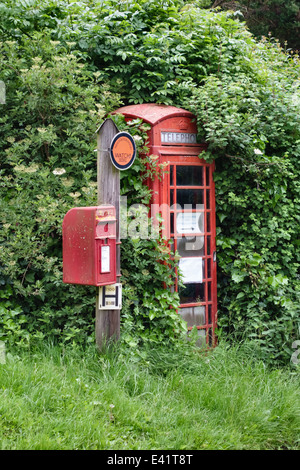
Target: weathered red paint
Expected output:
[89,234]
[183,158]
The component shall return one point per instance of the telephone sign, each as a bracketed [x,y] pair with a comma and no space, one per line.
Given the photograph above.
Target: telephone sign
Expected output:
[178,138]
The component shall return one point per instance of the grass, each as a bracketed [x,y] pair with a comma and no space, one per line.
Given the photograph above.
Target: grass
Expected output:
[60,398]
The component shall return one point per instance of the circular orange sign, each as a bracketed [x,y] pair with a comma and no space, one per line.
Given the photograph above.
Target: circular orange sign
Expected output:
[122,150]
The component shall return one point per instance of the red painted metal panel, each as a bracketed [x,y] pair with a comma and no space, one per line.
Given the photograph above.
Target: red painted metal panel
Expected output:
[89,242]
[152,113]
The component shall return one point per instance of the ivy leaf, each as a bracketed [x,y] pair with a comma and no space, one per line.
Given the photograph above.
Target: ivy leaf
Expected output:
[238,277]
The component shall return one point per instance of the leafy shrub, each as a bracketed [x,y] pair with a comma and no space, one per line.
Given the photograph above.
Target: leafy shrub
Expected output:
[48,124]
[251,123]
[245,95]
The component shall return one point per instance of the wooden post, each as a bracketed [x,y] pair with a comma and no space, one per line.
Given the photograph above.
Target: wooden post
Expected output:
[108,179]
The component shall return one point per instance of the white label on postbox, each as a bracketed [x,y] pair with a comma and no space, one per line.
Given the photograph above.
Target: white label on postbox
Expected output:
[110,297]
[105,259]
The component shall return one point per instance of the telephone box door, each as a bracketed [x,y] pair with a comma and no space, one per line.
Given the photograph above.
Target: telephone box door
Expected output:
[188,190]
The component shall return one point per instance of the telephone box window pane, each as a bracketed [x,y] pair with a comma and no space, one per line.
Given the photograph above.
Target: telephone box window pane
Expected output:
[208,267]
[209,314]
[191,270]
[207,176]
[189,175]
[201,342]
[187,315]
[209,291]
[191,293]
[172,222]
[199,315]
[171,175]
[190,246]
[208,245]
[207,199]
[172,247]
[171,197]
[194,316]
[208,222]
[192,197]
[190,222]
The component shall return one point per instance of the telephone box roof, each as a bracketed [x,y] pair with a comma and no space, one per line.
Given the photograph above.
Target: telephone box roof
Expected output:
[152,112]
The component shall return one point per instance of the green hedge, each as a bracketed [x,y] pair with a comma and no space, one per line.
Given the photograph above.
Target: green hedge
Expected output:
[69,66]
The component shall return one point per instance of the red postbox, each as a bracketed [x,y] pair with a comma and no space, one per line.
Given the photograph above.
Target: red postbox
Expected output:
[89,246]
[185,197]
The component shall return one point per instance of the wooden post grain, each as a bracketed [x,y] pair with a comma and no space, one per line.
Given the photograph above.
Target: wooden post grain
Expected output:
[108,179]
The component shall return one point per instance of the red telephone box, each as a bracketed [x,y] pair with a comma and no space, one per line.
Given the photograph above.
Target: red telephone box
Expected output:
[89,246]
[186,199]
